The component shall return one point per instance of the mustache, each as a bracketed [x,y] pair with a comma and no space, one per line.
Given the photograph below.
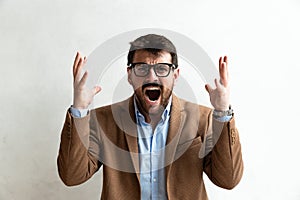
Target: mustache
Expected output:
[151,85]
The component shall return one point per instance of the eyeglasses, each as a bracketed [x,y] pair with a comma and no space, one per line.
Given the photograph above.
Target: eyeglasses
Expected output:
[161,69]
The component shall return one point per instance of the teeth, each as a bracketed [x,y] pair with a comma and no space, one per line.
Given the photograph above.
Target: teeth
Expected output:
[152,88]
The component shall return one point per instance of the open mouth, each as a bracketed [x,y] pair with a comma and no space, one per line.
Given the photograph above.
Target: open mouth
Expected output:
[153,94]
[152,91]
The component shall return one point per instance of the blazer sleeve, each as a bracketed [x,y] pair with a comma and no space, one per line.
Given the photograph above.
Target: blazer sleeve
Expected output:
[223,164]
[78,154]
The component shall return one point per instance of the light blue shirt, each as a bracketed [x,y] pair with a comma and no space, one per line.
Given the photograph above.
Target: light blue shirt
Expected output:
[151,145]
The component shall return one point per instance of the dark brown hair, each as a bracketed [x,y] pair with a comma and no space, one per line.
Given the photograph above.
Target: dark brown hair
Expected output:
[154,44]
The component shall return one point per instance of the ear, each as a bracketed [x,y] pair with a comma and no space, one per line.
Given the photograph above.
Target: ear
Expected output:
[176,75]
[129,71]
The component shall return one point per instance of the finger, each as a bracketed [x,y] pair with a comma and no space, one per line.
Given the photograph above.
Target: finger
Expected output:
[225,59]
[220,62]
[226,64]
[76,72]
[96,90]
[81,63]
[220,67]
[79,70]
[227,72]
[223,70]
[84,60]
[83,79]
[75,64]
[224,74]
[208,88]
[218,84]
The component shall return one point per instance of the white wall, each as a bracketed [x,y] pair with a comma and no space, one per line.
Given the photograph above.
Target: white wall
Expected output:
[38,41]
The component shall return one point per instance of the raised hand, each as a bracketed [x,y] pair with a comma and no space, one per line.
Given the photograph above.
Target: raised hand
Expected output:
[219,97]
[83,96]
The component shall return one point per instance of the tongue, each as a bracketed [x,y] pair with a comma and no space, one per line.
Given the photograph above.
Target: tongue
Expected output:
[153,94]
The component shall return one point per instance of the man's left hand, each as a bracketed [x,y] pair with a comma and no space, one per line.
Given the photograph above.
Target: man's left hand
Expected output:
[219,97]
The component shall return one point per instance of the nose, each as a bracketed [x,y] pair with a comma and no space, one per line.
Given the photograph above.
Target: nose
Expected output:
[151,77]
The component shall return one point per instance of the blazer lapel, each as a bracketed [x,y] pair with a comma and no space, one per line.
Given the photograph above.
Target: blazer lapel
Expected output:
[177,119]
[129,128]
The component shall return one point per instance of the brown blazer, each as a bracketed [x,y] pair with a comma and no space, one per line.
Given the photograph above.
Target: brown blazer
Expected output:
[195,143]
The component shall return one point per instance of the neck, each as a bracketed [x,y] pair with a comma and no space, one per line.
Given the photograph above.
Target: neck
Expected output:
[154,119]
[150,118]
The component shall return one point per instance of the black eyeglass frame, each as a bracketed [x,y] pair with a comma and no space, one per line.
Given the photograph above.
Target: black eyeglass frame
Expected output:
[171,66]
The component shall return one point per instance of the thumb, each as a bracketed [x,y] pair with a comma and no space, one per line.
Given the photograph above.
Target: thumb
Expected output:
[208,88]
[96,90]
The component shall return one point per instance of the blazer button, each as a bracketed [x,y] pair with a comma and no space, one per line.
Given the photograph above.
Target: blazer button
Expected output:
[233,135]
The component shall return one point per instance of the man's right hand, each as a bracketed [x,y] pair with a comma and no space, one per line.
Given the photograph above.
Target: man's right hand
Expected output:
[83,96]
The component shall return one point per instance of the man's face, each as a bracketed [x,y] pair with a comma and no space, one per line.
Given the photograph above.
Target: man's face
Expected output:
[152,92]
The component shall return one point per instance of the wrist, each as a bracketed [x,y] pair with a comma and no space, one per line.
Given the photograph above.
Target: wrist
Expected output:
[78,112]
[223,113]
[79,106]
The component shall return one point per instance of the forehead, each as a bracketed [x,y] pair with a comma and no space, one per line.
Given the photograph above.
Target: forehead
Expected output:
[148,57]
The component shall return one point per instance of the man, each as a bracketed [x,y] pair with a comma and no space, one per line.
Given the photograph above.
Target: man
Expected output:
[153,145]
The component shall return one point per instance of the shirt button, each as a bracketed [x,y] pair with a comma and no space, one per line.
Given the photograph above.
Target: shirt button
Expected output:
[154,180]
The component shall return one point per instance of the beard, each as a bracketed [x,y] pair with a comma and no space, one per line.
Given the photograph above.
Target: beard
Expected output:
[152,98]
